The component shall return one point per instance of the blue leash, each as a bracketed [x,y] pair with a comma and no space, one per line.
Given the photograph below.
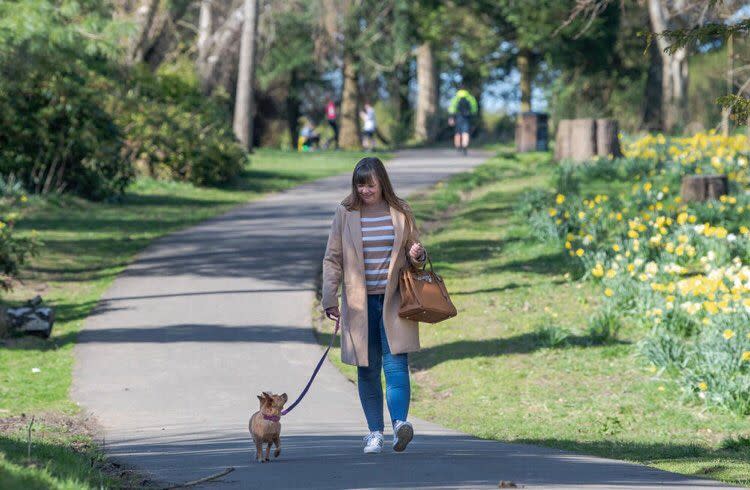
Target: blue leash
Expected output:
[315,373]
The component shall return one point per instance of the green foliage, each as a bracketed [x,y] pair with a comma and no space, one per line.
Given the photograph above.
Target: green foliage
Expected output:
[56,133]
[664,350]
[738,443]
[702,34]
[551,336]
[65,27]
[15,250]
[74,120]
[604,325]
[174,132]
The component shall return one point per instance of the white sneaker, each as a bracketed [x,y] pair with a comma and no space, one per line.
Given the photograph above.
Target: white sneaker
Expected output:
[374,442]
[403,432]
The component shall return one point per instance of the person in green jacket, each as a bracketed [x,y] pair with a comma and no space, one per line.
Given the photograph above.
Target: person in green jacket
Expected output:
[462,107]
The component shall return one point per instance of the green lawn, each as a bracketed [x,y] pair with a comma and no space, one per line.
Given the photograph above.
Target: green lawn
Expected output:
[85,245]
[486,372]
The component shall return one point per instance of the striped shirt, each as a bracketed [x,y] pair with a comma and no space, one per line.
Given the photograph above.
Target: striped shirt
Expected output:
[377,244]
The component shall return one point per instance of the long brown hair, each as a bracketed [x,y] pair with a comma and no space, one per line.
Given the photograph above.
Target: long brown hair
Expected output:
[366,171]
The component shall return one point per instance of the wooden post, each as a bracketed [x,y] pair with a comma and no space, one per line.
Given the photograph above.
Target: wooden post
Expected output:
[699,188]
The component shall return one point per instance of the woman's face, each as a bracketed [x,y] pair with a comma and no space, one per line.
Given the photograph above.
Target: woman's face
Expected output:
[370,192]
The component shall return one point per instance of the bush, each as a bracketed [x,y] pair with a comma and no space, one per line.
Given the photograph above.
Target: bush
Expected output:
[56,133]
[14,251]
[174,132]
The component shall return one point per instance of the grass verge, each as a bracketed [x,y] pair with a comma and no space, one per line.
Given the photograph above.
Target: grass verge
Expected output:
[85,246]
[497,361]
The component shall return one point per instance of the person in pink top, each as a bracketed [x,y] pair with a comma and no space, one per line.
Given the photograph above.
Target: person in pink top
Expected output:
[331,118]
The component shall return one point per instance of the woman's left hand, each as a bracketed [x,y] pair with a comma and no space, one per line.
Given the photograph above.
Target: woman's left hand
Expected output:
[416,251]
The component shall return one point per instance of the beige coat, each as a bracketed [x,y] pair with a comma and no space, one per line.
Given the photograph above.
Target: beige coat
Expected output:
[344,262]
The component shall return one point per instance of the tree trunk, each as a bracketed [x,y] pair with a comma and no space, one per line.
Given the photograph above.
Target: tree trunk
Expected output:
[703,187]
[219,45]
[244,107]
[349,134]
[205,26]
[525,69]
[652,116]
[399,94]
[674,71]
[730,85]
[292,109]
[674,90]
[427,94]
[144,19]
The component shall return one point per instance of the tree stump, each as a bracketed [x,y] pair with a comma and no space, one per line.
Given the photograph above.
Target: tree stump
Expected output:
[531,132]
[562,139]
[699,188]
[607,142]
[582,139]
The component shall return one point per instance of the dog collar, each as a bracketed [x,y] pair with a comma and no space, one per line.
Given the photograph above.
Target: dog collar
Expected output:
[272,418]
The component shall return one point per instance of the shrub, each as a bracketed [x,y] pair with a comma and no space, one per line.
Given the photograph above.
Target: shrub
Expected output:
[174,132]
[14,250]
[56,133]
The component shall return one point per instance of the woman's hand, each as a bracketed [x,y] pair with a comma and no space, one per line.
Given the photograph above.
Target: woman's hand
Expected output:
[333,313]
[416,251]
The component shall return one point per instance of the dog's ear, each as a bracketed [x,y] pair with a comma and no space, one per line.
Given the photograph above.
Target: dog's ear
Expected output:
[284,397]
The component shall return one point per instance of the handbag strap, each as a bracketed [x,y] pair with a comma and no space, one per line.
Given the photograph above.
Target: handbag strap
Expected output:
[424,266]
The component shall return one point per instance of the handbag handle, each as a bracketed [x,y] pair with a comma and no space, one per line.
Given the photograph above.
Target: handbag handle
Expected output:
[424,266]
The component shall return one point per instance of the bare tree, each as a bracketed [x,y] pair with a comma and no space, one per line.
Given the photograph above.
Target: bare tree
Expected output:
[205,27]
[218,47]
[665,15]
[244,106]
[145,14]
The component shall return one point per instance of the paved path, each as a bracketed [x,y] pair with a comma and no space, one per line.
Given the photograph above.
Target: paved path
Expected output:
[205,319]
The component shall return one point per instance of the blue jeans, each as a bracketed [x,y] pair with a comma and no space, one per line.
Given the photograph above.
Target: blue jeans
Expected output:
[395,366]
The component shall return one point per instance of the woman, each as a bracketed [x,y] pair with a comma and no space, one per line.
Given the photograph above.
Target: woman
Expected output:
[372,236]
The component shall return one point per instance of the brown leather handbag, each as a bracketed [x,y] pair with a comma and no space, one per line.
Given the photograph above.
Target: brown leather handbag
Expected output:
[424,297]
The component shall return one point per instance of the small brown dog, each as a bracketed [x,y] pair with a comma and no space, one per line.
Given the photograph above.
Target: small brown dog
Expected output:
[265,424]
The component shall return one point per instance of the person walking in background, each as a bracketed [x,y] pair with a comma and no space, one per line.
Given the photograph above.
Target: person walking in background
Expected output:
[369,126]
[309,138]
[374,235]
[462,107]
[331,116]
